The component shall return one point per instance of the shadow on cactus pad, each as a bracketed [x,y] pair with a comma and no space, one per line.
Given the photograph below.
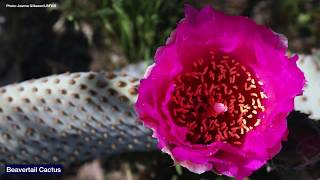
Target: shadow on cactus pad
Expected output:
[300,155]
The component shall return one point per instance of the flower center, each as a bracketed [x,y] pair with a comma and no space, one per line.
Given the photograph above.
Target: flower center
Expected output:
[218,100]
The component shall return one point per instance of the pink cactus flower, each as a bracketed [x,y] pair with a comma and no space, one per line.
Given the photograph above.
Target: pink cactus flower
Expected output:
[219,92]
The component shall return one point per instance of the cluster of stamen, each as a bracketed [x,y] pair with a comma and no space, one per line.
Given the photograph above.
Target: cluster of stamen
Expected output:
[219,99]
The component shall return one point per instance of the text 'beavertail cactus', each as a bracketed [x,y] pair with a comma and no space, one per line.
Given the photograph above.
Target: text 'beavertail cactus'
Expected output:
[219,92]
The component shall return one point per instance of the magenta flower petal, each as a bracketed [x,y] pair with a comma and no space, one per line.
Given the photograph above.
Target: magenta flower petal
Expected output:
[219,92]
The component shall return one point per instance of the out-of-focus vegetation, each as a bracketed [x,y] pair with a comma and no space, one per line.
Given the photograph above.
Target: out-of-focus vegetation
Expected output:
[300,21]
[106,34]
[139,26]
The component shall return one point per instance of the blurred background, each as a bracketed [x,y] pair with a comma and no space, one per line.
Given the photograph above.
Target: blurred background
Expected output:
[84,35]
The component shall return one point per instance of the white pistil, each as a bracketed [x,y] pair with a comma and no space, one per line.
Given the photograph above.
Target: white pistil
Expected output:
[220,108]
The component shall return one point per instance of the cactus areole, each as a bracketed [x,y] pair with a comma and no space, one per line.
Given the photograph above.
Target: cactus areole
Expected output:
[70,118]
[219,92]
[309,102]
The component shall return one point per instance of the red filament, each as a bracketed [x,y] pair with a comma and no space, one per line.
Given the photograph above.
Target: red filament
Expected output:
[217,81]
